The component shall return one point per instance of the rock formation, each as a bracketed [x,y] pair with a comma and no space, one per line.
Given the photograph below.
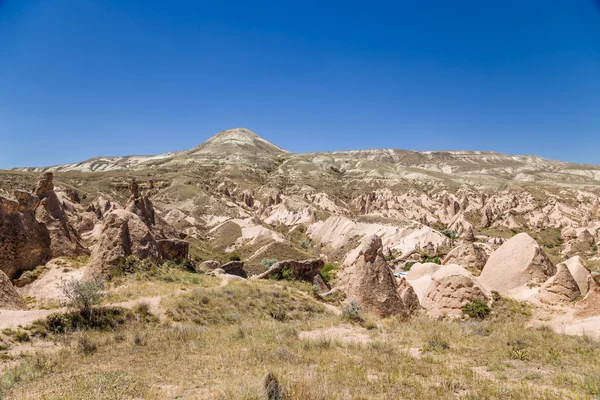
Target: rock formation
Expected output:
[419,278]
[124,234]
[9,298]
[590,305]
[518,262]
[174,249]
[466,255]
[299,270]
[561,288]
[24,242]
[209,265]
[64,239]
[451,288]
[140,205]
[580,273]
[234,268]
[370,281]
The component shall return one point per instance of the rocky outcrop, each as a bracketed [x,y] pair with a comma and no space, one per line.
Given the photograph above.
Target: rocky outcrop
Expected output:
[9,298]
[580,273]
[297,270]
[234,268]
[370,281]
[419,278]
[466,255]
[408,295]
[451,288]
[561,288]
[140,205]
[124,234]
[174,249]
[518,262]
[24,242]
[64,239]
[590,305]
[209,265]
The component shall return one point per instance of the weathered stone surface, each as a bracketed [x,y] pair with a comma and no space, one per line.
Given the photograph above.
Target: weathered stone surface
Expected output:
[9,298]
[299,270]
[320,284]
[408,295]
[580,273]
[235,268]
[518,262]
[124,234]
[174,249]
[451,288]
[209,265]
[466,255]
[370,281]
[561,288]
[64,239]
[24,241]
[140,205]
[419,277]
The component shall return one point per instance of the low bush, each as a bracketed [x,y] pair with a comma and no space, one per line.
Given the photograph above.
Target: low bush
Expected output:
[328,272]
[268,262]
[103,318]
[477,308]
[352,312]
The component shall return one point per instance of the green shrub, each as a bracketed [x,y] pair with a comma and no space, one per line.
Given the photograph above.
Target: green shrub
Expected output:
[268,262]
[286,273]
[103,318]
[328,272]
[234,257]
[81,296]
[477,308]
[427,259]
[436,344]
[352,312]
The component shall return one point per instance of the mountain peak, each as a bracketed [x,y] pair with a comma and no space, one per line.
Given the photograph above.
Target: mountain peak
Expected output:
[238,140]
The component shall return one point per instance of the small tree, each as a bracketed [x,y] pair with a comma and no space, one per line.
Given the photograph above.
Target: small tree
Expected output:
[450,234]
[81,296]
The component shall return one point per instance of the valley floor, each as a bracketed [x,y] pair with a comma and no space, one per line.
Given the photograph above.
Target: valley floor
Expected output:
[199,337]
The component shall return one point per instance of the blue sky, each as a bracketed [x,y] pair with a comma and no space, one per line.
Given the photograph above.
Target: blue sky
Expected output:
[82,78]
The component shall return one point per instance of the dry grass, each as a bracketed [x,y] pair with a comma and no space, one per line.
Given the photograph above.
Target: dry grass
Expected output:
[220,344]
[158,282]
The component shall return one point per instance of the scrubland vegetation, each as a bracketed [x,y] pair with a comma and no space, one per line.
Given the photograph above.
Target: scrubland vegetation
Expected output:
[221,343]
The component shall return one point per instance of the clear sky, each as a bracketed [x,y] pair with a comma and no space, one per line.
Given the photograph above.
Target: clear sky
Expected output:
[83,78]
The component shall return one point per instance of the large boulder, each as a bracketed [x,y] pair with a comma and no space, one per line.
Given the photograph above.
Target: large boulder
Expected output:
[580,273]
[408,295]
[590,305]
[235,268]
[124,234]
[174,249]
[298,270]
[466,255]
[419,278]
[561,288]
[209,265]
[24,241]
[64,239]
[517,263]
[9,298]
[370,281]
[451,288]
